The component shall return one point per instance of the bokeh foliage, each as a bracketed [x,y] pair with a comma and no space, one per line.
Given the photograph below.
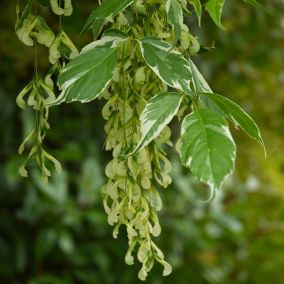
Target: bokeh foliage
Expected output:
[58,233]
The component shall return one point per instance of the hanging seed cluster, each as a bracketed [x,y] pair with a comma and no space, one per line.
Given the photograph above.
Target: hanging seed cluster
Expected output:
[32,30]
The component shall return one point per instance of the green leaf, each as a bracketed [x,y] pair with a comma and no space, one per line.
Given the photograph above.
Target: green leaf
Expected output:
[88,74]
[169,65]
[201,86]
[109,8]
[175,18]
[238,116]
[214,8]
[197,8]
[207,148]
[199,83]
[158,112]
[97,27]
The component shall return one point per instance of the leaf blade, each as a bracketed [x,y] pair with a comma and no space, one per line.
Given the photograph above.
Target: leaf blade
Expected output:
[238,116]
[199,83]
[87,75]
[158,112]
[169,65]
[215,8]
[109,8]
[207,146]
[197,8]
[201,86]
[175,18]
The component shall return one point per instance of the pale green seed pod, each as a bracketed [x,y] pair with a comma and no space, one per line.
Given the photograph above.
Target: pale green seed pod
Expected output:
[140,76]
[25,30]
[122,20]
[56,8]
[140,7]
[43,33]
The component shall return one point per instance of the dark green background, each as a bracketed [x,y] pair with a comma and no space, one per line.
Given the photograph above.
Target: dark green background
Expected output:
[58,233]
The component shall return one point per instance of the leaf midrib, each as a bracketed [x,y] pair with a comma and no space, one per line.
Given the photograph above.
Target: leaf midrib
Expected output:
[207,144]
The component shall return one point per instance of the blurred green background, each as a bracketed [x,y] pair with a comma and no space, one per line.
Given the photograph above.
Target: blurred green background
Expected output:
[58,233]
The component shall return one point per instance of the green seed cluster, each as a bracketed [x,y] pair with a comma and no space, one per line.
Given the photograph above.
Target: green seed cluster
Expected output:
[130,196]
[32,30]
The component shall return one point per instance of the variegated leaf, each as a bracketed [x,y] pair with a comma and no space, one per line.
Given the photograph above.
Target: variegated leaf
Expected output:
[207,148]
[215,8]
[201,86]
[109,8]
[175,18]
[158,112]
[199,83]
[169,65]
[238,116]
[88,74]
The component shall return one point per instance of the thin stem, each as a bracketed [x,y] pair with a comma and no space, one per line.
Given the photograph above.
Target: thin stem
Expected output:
[124,97]
[35,47]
